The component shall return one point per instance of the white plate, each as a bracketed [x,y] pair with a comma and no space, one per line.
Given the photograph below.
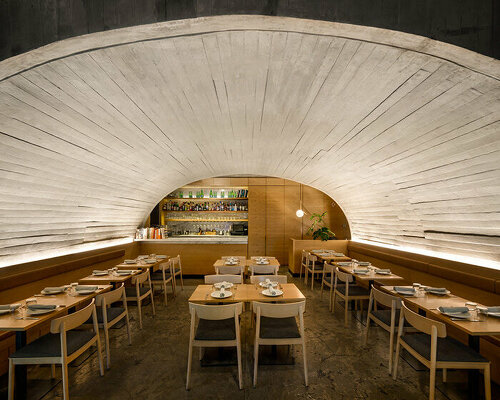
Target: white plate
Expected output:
[99,273]
[83,292]
[262,262]
[266,284]
[53,291]
[216,295]
[39,312]
[226,284]
[231,263]
[267,292]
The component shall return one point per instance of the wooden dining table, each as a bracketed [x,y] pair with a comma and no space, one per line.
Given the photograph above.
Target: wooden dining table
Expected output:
[367,280]
[246,293]
[428,304]
[140,264]
[108,279]
[66,303]
[328,257]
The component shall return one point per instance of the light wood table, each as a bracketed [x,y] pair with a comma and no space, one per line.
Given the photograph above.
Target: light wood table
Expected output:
[322,256]
[107,279]
[367,279]
[222,263]
[273,262]
[8,322]
[143,265]
[428,305]
[246,293]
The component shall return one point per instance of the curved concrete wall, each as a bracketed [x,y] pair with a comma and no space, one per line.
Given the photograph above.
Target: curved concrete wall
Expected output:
[28,24]
[402,131]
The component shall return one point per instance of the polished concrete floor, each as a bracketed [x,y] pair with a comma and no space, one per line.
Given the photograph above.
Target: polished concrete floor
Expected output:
[154,366]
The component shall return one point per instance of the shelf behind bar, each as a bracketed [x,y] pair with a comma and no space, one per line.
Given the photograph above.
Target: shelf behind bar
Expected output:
[203,211]
[205,220]
[206,198]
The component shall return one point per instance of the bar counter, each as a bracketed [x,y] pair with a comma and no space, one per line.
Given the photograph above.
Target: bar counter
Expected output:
[198,254]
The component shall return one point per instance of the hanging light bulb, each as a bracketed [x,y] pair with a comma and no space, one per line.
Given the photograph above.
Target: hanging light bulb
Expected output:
[299,213]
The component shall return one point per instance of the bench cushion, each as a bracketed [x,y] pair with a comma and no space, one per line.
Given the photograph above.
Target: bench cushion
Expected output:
[278,328]
[50,345]
[132,292]
[223,329]
[353,290]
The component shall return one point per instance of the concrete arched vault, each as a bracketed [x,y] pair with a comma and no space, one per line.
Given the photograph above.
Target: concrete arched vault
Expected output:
[402,131]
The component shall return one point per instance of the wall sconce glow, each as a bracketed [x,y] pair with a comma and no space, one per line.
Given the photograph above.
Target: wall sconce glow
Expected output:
[299,213]
[447,256]
[80,248]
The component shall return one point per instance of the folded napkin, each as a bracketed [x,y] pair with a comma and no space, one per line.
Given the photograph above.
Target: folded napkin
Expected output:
[83,287]
[360,271]
[453,310]
[344,263]
[384,271]
[404,290]
[42,307]
[338,254]
[99,271]
[129,261]
[364,263]
[125,271]
[272,291]
[5,307]
[494,310]
[435,289]
[53,289]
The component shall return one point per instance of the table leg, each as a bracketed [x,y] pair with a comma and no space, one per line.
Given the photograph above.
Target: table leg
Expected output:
[473,375]
[21,377]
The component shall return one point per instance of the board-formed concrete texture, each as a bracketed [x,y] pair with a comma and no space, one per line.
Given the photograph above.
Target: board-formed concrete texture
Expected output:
[402,131]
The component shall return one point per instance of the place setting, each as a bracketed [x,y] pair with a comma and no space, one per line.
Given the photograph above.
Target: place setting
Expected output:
[221,293]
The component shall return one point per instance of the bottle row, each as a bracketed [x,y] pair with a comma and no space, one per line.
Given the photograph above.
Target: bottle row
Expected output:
[212,194]
[206,206]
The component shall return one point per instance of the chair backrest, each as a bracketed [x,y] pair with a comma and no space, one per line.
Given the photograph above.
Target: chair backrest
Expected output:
[216,312]
[230,269]
[210,279]
[328,268]
[175,262]
[263,269]
[108,298]
[305,255]
[274,278]
[423,324]
[164,266]
[140,278]
[279,310]
[385,299]
[73,320]
[342,276]
[312,258]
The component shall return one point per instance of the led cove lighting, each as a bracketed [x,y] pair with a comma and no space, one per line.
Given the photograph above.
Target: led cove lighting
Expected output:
[447,256]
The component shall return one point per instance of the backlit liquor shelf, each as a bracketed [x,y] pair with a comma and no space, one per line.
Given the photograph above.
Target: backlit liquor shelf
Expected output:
[205,212]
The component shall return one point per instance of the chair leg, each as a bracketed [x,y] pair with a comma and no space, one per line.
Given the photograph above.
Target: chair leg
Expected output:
[240,374]
[53,371]
[306,379]
[200,355]
[306,273]
[346,302]
[182,282]
[432,382]
[165,291]
[331,296]
[255,362]
[12,370]
[106,344]
[445,375]
[333,301]
[128,330]
[65,381]
[300,272]
[312,279]
[391,348]
[140,313]
[322,284]
[487,383]
[396,361]
[366,331]
[153,303]
[99,356]
[188,373]
[173,286]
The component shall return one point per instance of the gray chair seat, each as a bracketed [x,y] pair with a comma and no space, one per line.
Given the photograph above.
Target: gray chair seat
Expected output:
[448,349]
[278,328]
[222,329]
[158,275]
[50,345]
[132,292]
[353,290]
[385,317]
[111,313]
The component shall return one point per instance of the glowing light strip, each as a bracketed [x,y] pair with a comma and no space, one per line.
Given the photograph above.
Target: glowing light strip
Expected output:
[43,255]
[447,256]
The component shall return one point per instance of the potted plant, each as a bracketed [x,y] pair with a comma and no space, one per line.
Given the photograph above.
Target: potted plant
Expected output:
[318,228]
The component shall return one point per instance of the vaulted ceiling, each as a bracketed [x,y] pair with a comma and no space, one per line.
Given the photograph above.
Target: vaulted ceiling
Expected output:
[403,132]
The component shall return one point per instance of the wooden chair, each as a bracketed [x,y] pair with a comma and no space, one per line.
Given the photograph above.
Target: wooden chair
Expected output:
[276,324]
[61,346]
[107,316]
[435,350]
[263,269]
[313,267]
[162,277]
[385,318]
[327,280]
[176,269]
[303,262]
[140,292]
[231,270]
[211,279]
[347,292]
[218,326]
[275,278]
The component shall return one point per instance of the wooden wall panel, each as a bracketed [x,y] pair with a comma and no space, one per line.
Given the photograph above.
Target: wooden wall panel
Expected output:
[257,218]
[401,131]
[275,223]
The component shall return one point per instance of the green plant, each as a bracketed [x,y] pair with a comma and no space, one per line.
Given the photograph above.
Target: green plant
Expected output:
[318,228]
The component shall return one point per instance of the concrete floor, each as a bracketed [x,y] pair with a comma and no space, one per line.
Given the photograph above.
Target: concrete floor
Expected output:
[154,367]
